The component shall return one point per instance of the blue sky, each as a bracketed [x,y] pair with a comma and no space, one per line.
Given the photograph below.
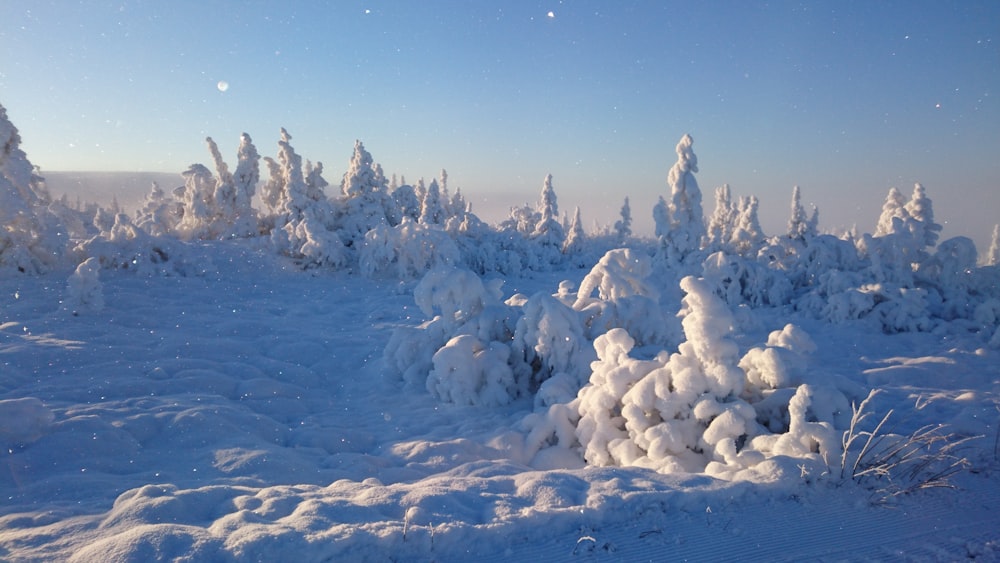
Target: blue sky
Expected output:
[845,99]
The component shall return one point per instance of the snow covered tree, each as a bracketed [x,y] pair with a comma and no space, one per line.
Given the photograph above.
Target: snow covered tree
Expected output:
[685,226]
[661,219]
[993,255]
[218,207]
[723,220]
[270,192]
[32,240]
[367,203]
[198,203]
[894,208]
[406,204]
[747,235]
[921,217]
[245,179]
[303,225]
[522,219]
[800,227]
[548,232]
[160,212]
[574,239]
[431,207]
[623,227]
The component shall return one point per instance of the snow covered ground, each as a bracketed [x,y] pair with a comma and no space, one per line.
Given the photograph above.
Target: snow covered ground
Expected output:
[242,413]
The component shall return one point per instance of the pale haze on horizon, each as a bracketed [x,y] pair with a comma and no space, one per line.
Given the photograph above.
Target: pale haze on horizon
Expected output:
[844,99]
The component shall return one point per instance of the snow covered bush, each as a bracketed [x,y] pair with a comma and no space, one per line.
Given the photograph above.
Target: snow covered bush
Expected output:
[468,371]
[84,292]
[127,247]
[739,280]
[406,251]
[700,409]
[675,413]
[625,298]
[459,303]
[160,212]
[479,350]
[553,354]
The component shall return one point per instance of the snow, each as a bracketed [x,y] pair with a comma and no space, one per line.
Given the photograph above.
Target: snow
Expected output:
[168,392]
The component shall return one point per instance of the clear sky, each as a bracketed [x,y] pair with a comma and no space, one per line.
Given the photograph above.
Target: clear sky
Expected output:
[845,99]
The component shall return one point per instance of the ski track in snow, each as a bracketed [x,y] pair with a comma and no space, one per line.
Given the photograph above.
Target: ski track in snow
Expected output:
[243,415]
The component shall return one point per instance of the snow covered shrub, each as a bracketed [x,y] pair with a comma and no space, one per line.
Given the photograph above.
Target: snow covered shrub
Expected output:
[126,247]
[780,363]
[552,352]
[811,435]
[160,213]
[84,292]
[463,355]
[701,409]
[951,271]
[366,201]
[601,428]
[407,251]
[902,309]
[740,280]
[479,350]
[468,371]
[676,413]
[625,298]
[454,294]
[32,239]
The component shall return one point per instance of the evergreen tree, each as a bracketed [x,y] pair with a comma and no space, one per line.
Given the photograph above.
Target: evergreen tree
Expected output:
[246,178]
[431,209]
[575,237]
[921,217]
[159,213]
[549,231]
[623,227]
[303,227]
[894,208]
[32,239]
[367,202]
[198,203]
[748,236]
[798,223]
[723,220]
[686,223]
